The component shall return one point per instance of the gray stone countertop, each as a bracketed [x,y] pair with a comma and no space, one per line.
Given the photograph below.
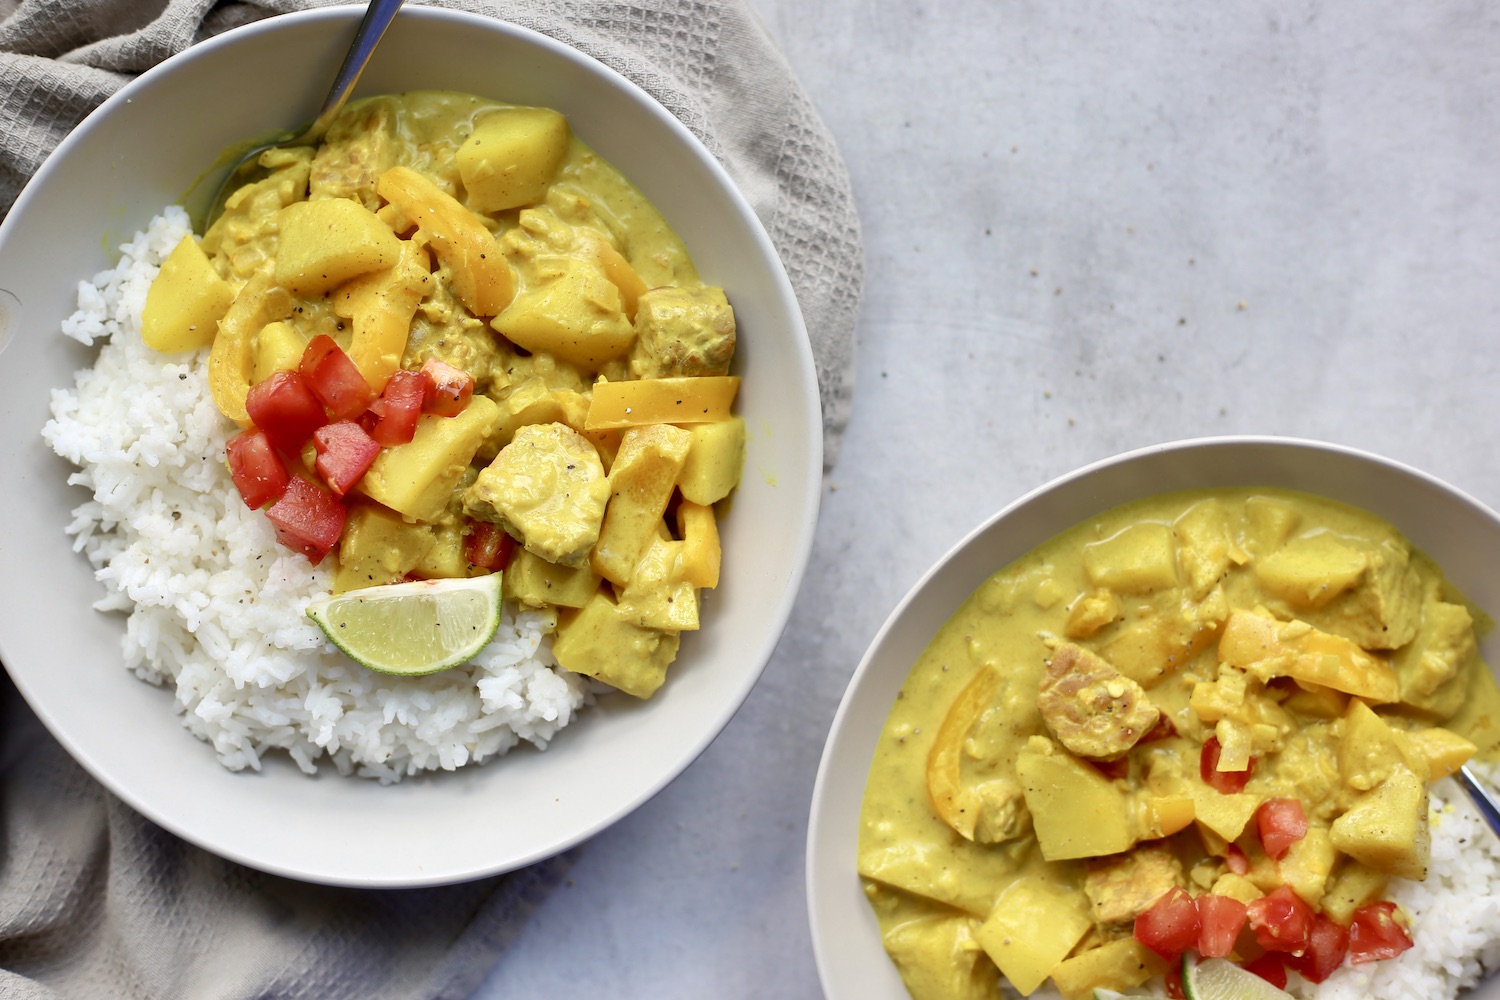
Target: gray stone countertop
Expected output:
[1088,228]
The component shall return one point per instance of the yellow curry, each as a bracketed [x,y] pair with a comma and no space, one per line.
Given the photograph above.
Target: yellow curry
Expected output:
[591,419]
[1109,719]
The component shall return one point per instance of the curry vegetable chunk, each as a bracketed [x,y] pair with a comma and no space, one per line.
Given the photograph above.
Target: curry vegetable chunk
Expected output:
[1220,700]
[410,325]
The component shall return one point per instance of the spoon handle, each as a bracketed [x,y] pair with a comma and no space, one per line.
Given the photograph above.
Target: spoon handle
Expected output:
[378,17]
[1483,800]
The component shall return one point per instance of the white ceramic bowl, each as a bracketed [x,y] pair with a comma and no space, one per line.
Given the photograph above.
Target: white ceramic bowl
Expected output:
[142,150]
[1462,534]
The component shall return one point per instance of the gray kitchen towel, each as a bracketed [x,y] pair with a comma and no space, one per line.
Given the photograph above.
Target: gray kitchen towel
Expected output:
[96,901]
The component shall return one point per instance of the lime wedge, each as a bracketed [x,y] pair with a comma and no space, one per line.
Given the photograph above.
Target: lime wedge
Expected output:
[1218,979]
[412,629]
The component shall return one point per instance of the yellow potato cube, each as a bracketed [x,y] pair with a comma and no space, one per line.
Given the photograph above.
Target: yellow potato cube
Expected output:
[533,580]
[378,547]
[1075,810]
[1117,965]
[418,478]
[1386,828]
[600,641]
[511,157]
[641,481]
[574,314]
[185,302]
[1034,925]
[657,596]
[1138,560]
[715,461]
[446,559]
[326,242]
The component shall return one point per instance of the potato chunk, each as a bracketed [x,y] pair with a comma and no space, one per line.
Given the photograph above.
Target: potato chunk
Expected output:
[417,479]
[185,302]
[326,242]
[548,489]
[378,547]
[1034,925]
[511,157]
[1076,811]
[715,460]
[602,642]
[1386,828]
[574,314]
[1138,560]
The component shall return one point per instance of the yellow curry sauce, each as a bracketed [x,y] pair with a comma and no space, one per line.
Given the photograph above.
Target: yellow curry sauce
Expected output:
[1037,784]
[599,434]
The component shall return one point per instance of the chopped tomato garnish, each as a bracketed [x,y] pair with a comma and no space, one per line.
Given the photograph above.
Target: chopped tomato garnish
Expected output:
[345,453]
[1374,934]
[1227,782]
[1220,919]
[1281,921]
[451,388]
[488,546]
[1281,823]
[1236,859]
[1174,981]
[1163,730]
[399,406]
[258,472]
[1169,926]
[1269,968]
[334,379]
[1326,948]
[285,408]
[308,519]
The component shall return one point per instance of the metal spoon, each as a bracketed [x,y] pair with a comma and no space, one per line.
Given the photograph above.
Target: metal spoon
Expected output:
[1483,800]
[378,17]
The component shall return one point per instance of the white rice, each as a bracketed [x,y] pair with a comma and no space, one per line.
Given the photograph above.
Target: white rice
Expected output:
[215,606]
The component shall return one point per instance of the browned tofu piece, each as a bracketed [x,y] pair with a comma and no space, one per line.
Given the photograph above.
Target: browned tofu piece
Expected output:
[1123,887]
[1093,709]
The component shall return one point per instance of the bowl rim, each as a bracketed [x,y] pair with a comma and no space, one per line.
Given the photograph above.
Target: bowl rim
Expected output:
[802,467]
[822,830]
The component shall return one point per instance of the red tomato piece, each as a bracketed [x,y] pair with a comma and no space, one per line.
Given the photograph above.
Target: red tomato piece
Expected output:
[1281,921]
[399,406]
[1169,926]
[1236,859]
[1227,782]
[451,388]
[285,408]
[258,472]
[1374,934]
[488,546]
[1326,948]
[1220,919]
[1269,968]
[1281,823]
[345,453]
[334,379]
[1174,981]
[308,519]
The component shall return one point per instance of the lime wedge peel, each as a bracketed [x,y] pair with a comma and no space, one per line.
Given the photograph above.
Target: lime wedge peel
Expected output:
[412,629]
[1218,979]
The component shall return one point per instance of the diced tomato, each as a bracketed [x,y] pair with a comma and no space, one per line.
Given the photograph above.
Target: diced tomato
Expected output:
[1163,730]
[1281,823]
[451,388]
[399,406]
[1174,981]
[345,453]
[1115,770]
[1326,947]
[488,546]
[285,408]
[1169,926]
[334,379]
[308,519]
[1236,859]
[1269,968]
[1374,934]
[1281,921]
[258,472]
[1220,919]
[1227,782]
